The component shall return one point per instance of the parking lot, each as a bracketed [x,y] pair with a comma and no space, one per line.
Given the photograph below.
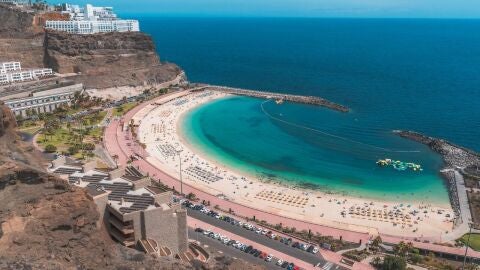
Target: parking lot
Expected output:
[231,251]
[255,235]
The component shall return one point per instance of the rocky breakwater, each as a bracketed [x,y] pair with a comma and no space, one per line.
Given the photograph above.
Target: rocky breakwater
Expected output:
[107,60]
[453,155]
[455,158]
[310,100]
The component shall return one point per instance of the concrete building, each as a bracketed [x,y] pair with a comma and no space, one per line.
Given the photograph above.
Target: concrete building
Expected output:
[12,72]
[135,213]
[9,66]
[45,101]
[90,20]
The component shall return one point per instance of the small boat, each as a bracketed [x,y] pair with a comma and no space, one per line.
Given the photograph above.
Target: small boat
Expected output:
[279,101]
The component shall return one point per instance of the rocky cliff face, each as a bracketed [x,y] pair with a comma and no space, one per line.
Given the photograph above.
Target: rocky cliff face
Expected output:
[107,59]
[99,61]
[20,39]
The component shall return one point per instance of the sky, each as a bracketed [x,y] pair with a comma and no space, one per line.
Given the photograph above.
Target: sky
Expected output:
[294,8]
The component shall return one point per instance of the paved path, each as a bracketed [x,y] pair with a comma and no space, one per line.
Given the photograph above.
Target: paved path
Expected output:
[117,142]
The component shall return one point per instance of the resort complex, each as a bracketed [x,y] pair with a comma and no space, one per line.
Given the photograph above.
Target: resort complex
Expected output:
[90,20]
[44,101]
[12,72]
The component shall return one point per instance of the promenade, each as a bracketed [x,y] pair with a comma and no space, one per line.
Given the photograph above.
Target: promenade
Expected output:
[118,142]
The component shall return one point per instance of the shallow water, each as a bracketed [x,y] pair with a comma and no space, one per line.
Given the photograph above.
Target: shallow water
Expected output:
[240,134]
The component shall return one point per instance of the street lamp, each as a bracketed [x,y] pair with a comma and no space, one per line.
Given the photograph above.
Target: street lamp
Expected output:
[180,161]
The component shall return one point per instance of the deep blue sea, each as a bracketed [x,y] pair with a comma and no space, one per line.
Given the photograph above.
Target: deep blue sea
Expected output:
[421,75]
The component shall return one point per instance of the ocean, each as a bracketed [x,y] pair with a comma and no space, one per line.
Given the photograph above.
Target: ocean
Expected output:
[421,75]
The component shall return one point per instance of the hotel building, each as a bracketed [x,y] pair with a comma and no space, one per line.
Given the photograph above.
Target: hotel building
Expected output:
[135,213]
[90,20]
[44,101]
[12,72]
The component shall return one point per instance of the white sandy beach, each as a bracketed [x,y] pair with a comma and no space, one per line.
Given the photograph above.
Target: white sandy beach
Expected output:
[158,130]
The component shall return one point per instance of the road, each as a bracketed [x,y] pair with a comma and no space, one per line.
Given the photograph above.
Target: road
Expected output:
[261,239]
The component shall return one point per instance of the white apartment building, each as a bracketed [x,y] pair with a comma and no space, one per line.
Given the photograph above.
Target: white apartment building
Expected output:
[11,72]
[92,27]
[9,66]
[90,20]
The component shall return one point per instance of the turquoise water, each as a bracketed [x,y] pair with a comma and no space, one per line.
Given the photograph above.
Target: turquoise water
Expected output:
[237,132]
[421,75]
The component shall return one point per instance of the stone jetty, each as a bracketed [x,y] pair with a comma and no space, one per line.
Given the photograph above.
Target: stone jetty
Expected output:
[456,159]
[310,100]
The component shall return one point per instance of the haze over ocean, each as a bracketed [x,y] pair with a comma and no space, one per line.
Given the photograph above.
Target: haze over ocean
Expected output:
[417,74]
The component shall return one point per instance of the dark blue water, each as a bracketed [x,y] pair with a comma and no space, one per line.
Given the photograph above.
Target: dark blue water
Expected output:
[421,75]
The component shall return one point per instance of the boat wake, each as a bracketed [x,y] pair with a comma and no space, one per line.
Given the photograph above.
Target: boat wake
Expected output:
[331,135]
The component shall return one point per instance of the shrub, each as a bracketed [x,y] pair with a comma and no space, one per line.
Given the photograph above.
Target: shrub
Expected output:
[89,146]
[394,263]
[50,148]
[72,150]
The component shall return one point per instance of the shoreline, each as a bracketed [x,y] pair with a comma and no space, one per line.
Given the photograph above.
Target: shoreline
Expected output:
[323,208]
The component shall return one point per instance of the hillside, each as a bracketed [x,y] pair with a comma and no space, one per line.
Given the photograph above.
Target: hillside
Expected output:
[47,224]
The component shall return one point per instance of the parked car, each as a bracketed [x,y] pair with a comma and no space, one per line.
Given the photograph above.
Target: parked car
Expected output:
[284,264]
[315,250]
[248,249]
[200,230]
[289,241]
[273,236]
[269,258]
[296,244]
[290,266]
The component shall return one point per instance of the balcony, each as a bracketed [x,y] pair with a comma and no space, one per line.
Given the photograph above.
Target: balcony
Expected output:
[123,228]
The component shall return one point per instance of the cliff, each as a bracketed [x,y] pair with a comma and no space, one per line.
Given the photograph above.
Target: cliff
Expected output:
[107,59]
[102,60]
[20,38]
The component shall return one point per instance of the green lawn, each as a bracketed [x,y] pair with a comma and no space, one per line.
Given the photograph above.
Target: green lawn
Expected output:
[474,240]
[61,139]
[124,108]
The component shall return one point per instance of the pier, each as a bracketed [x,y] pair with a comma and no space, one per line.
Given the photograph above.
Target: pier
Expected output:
[310,100]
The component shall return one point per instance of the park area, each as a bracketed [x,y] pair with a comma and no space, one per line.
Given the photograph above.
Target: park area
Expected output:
[76,137]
